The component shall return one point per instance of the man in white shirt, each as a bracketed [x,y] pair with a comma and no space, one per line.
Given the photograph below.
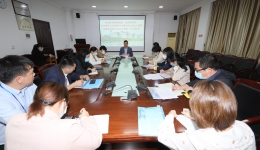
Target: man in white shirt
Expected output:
[16,89]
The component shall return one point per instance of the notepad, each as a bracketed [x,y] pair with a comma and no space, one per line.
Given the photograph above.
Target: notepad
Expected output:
[149,119]
[102,122]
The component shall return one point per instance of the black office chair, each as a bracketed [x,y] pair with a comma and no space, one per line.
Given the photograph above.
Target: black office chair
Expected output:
[247,93]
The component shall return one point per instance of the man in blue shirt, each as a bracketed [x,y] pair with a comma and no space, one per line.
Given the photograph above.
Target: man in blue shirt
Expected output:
[126,50]
[16,89]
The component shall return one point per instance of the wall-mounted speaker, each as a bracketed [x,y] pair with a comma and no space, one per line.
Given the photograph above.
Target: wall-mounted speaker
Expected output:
[175,17]
[78,15]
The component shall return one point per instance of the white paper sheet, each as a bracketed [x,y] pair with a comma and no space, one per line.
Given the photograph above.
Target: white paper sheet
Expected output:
[161,93]
[187,122]
[169,86]
[164,75]
[153,77]
[102,122]
[92,73]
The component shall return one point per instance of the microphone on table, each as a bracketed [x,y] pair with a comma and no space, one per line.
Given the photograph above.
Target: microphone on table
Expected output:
[114,70]
[130,94]
[142,86]
[133,59]
[110,84]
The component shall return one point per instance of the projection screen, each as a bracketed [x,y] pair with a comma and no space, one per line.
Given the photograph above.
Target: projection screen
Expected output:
[115,29]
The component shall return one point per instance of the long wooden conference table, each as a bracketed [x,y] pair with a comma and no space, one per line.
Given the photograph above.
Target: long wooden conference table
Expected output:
[123,115]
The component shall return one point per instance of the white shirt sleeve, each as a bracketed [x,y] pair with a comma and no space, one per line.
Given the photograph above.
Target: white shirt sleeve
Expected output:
[94,61]
[171,139]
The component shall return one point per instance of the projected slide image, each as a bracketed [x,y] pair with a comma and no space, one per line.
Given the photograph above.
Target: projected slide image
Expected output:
[114,32]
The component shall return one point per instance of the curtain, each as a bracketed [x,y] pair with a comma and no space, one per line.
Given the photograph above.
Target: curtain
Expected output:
[187,31]
[234,28]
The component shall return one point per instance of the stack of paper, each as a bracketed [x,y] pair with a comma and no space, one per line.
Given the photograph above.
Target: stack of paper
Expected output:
[149,119]
[102,122]
[164,75]
[92,73]
[153,77]
[161,93]
[169,86]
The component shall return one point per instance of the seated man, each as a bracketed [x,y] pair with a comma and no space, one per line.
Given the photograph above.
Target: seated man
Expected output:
[126,50]
[207,67]
[63,73]
[16,89]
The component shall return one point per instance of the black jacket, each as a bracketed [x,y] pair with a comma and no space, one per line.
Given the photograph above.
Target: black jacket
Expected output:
[38,57]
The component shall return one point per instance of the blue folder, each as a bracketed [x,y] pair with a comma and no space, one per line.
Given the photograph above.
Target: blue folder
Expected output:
[149,119]
[97,84]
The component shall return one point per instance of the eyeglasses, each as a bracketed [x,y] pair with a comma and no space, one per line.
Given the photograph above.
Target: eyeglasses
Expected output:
[200,69]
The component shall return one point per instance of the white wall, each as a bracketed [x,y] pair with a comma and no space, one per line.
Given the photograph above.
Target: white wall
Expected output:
[203,22]
[156,29]
[164,24]
[40,10]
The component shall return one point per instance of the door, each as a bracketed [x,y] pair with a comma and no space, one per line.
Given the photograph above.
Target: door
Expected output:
[43,35]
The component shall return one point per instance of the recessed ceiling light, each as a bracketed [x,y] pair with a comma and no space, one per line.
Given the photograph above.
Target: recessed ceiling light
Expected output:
[126,6]
[23,6]
[160,6]
[94,6]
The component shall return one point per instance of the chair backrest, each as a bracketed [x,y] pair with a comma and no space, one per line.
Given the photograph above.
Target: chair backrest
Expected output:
[202,53]
[227,59]
[190,63]
[218,56]
[243,63]
[195,54]
[37,81]
[247,100]
[189,53]
[43,69]
[78,47]
[255,75]
[61,53]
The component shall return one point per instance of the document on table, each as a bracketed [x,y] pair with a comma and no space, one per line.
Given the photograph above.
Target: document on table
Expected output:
[162,93]
[187,122]
[169,86]
[153,77]
[146,66]
[164,75]
[149,118]
[102,122]
[93,73]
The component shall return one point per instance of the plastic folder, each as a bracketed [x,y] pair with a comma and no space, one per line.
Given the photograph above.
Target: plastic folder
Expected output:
[97,84]
[149,119]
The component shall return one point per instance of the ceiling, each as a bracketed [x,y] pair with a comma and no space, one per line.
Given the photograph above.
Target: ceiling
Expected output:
[133,5]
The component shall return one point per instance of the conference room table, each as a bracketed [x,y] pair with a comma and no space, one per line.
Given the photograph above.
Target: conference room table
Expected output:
[123,115]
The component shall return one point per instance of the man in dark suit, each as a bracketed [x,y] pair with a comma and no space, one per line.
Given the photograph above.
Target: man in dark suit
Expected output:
[126,50]
[63,73]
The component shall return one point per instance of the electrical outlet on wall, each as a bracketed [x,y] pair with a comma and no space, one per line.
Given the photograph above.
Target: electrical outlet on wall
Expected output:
[12,46]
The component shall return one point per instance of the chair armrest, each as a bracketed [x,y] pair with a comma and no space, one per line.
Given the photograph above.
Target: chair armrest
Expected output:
[252,120]
[248,71]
